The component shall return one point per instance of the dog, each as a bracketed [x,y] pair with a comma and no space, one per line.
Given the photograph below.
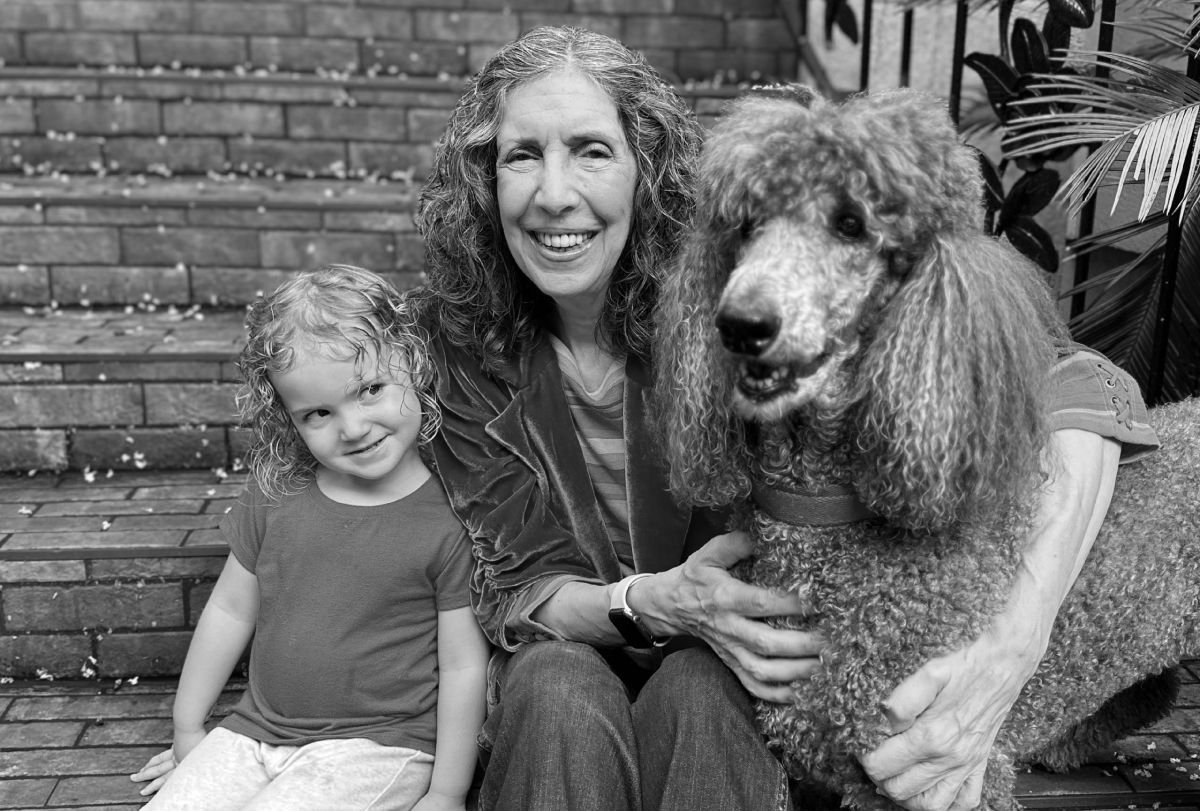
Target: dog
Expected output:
[841,334]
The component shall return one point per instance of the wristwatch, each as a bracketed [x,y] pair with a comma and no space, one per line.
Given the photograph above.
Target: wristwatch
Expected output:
[626,620]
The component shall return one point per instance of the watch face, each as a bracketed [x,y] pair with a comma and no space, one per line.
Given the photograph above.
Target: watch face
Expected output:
[626,622]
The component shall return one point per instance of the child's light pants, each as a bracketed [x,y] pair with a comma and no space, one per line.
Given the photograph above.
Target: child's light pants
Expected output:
[231,772]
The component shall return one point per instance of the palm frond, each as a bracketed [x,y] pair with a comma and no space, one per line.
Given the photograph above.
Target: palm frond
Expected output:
[1145,116]
[1173,31]
[1114,236]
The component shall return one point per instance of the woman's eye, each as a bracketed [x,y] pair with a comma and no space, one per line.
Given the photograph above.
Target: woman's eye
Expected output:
[597,151]
[517,156]
[849,226]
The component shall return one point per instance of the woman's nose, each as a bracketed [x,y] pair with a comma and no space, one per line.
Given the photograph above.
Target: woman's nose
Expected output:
[557,187]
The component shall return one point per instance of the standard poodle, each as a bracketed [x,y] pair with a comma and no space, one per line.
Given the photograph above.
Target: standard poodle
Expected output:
[843,351]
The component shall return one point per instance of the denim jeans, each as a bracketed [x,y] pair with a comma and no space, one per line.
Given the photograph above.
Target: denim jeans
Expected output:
[569,735]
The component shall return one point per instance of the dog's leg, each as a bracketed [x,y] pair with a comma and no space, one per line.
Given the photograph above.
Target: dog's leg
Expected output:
[1136,706]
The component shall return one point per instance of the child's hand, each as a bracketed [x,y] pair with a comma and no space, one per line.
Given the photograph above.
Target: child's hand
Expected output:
[159,767]
[440,802]
[157,770]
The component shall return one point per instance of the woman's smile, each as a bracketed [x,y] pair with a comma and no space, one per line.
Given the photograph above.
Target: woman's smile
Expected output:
[560,243]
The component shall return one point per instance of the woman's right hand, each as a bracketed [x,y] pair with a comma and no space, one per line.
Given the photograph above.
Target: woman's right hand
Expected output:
[702,599]
[159,767]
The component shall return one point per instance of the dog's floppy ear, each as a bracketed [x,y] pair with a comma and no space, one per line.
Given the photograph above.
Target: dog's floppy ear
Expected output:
[954,385]
[703,440]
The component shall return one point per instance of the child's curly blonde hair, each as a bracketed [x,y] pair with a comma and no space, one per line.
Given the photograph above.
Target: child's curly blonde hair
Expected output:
[337,310]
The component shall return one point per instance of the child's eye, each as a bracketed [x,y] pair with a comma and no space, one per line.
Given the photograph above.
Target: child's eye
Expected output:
[316,414]
[372,390]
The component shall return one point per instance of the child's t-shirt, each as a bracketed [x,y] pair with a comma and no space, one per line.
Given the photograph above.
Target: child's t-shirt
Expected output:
[346,640]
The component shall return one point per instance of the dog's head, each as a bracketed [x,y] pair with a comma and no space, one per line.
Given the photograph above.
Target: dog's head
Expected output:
[838,262]
[824,209]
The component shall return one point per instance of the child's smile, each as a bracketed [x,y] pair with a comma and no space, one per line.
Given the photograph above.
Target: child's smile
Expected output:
[360,420]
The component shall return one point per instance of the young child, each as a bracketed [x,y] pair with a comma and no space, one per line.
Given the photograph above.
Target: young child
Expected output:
[367,673]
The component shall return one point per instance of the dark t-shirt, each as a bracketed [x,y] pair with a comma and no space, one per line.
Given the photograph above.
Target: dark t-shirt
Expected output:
[346,640]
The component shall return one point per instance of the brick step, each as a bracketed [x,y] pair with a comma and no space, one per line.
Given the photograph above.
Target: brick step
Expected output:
[196,122]
[120,240]
[106,575]
[146,387]
[70,742]
[170,122]
[287,34]
[385,37]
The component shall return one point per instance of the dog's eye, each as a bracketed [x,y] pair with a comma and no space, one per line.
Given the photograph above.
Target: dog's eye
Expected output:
[747,230]
[849,226]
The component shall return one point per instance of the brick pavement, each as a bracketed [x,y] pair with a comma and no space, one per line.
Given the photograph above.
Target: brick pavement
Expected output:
[73,745]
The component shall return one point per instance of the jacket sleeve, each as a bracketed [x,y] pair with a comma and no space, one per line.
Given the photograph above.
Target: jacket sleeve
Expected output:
[1094,394]
[502,495]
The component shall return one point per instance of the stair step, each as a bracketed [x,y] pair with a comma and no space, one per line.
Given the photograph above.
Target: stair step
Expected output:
[107,573]
[288,34]
[195,122]
[129,241]
[145,387]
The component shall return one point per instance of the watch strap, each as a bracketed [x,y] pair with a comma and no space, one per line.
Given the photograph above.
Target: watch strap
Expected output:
[626,620]
[621,592]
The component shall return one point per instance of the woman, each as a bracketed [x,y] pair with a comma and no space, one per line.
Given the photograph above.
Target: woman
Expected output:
[556,201]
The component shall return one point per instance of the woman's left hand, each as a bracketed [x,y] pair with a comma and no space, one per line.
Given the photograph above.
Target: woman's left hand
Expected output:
[944,719]
[945,716]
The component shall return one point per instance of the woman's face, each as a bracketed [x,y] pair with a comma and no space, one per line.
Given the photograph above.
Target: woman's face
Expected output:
[565,179]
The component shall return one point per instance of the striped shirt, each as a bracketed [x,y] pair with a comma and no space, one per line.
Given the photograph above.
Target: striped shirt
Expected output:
[599,417]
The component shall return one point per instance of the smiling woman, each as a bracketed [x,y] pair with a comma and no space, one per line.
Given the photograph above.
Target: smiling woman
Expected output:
[558,196]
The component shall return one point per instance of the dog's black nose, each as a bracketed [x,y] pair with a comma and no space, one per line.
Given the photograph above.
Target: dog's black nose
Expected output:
[747,333]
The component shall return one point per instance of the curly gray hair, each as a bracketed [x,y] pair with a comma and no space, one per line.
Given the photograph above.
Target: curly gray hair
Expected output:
[478,296]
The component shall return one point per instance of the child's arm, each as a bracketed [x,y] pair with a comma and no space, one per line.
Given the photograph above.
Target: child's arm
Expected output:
[462,699]
[221,635]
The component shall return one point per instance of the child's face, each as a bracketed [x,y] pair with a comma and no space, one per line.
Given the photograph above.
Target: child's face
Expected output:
[360,421]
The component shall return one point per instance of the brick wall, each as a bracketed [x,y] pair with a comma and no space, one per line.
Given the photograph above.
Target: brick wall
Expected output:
[688,39]
[194,241]
[171,123]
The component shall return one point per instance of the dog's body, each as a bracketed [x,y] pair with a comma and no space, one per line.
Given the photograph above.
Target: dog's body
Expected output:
[890,600]
[876,339]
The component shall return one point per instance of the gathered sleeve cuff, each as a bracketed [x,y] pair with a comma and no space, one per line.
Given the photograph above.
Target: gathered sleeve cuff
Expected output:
[521,624]
[1094,394]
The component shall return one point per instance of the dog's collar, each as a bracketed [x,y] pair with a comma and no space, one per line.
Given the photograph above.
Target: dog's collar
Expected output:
[825,508]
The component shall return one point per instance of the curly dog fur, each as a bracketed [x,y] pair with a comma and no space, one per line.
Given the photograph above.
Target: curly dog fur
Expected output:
[878,339]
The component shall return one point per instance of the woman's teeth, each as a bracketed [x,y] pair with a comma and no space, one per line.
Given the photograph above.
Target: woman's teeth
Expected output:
[562,240]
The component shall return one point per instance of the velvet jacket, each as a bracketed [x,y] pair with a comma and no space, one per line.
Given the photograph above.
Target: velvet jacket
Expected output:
[511,463]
